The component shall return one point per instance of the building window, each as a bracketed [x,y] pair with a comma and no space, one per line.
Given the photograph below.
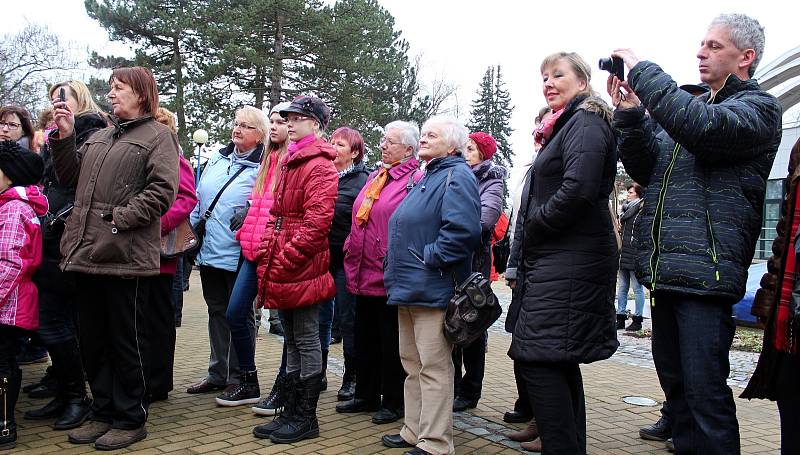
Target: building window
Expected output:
[772,213]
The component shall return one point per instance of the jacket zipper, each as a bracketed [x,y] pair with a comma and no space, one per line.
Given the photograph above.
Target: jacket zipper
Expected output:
[713,250]
[660,216]
[6,431]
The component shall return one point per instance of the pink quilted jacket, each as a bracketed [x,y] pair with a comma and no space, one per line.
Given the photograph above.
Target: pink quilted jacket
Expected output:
[249,235]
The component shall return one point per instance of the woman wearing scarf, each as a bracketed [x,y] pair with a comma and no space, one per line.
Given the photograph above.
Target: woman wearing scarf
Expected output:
[562,311]
[126,178]
[379,372]
[293,264]
[349,147]
[627,278]
[16,125]
[218,257]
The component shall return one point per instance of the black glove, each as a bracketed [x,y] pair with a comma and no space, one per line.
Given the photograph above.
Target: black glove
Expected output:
[237,220]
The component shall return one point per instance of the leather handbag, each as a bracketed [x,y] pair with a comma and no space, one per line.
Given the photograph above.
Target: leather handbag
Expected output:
[471,311]
[181,240]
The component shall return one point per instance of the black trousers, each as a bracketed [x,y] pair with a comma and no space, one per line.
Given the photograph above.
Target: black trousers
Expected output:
[9,345]
[161,335]
[473,358]
[523,403]
[223,365]
[114,343]
[789,409]
[377,342]
[556,392]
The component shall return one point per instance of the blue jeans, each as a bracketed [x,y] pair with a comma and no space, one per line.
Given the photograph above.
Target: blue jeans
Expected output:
[692,338]
[241,315]
[626,279]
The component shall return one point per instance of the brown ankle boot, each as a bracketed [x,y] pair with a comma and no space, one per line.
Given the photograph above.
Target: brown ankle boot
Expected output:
[532,446]
[530,433]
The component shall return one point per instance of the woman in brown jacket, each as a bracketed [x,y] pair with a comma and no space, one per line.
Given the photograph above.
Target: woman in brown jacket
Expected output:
[126,177]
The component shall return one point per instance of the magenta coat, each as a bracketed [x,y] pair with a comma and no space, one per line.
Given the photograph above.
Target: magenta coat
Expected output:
[21,254]
[365,247]
[179,210]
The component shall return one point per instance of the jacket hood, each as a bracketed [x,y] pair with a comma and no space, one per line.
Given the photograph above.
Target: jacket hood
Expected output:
[89,120]
[444,163]
[253,157]
[313,150]
[357,168]
[28,194]
[487,169]
[597,106]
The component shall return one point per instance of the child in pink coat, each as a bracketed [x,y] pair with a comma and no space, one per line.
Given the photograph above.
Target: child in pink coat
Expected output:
[21,204]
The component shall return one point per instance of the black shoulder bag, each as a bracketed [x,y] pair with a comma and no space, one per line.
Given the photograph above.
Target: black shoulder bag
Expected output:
[200,226]
[472,309]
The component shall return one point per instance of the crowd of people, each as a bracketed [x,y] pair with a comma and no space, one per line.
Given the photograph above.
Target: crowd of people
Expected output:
[290,219]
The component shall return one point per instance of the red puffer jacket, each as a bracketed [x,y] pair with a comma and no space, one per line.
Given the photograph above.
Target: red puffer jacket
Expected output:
[293,257]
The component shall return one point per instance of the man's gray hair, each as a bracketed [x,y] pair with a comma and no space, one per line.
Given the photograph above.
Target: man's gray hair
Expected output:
[454,131]
[745,32]
[409,133]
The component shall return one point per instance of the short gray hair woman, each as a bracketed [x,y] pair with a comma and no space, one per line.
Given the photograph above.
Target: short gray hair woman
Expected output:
[432,235]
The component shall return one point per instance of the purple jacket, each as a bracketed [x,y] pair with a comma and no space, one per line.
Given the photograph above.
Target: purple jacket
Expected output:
[365,247]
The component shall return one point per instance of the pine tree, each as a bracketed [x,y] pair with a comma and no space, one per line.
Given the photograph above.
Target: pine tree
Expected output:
[491,113]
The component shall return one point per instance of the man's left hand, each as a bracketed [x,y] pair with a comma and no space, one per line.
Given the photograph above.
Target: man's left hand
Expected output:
[627,56]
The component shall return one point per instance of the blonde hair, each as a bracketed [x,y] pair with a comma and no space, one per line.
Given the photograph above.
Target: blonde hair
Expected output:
[270,149]
[256,117]
[582,69]
[166,117]
[82,96]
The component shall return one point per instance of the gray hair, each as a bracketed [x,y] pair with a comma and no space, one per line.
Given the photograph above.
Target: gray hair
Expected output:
[745,32]
[409,133]
[454,131]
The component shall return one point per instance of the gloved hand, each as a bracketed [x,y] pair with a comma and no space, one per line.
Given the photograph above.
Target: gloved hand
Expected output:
[237,220]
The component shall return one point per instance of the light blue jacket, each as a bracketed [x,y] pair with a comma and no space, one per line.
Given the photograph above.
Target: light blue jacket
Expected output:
[220,249]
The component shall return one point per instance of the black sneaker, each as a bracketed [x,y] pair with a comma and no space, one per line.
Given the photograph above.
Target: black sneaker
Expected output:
[659,431]
[245,392]
[273,403]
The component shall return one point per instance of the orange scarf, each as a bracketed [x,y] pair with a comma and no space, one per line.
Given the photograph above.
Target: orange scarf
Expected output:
[373,193]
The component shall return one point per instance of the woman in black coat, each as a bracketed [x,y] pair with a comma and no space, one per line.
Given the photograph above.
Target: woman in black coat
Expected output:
[627,256]
[564,312]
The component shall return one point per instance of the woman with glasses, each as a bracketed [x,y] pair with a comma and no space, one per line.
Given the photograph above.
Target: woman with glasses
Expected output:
[16,125]
[293,264]
[227,178]
[379,373]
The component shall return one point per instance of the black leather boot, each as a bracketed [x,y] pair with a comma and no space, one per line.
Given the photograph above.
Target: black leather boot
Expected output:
[46,387]
[324,370]
[9,392]
[304,424]
[621,321]
[72,385]
[273,403]
[636,325]
[287,412]
[348,389]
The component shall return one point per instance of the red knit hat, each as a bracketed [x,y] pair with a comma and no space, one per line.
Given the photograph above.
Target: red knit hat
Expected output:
[486,144]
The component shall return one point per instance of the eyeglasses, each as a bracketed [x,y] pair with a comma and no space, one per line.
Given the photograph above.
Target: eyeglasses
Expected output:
[10,125]
[388,141]
[244,126]
[298,118]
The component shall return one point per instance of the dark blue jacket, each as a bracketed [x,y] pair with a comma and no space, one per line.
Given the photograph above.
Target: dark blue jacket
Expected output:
[705,175]
[432,235]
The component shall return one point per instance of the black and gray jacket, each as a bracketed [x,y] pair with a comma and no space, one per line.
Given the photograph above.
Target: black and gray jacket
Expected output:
[627,222]
[705,176]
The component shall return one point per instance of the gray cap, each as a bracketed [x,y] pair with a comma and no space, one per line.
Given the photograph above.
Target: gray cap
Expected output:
[276,109]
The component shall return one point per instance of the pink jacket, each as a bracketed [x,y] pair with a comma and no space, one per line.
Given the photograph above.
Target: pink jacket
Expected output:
[20,255]
[366,245]
[179,210]
[249,235]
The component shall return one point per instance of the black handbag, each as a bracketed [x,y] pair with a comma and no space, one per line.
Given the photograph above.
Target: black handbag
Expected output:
[471,311]
[200,226]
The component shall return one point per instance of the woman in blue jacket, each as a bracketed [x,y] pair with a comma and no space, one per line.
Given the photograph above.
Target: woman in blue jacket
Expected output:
[219,256]
[432,235]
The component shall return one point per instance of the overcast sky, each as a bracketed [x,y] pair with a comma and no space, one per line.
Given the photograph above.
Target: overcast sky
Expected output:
[458,40]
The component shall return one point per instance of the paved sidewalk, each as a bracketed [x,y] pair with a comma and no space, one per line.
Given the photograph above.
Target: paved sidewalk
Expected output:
[189,424]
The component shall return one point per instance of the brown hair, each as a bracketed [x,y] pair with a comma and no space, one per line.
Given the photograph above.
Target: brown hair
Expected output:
[45,118]
[24,120]
[81,93]
[142,83]
[166,117]
[542,112]
[638,189]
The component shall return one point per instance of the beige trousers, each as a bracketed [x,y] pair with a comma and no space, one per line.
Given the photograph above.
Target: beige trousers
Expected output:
[428,391]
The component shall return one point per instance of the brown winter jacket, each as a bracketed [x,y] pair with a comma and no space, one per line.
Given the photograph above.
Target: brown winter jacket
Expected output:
[293,258]
[130,172]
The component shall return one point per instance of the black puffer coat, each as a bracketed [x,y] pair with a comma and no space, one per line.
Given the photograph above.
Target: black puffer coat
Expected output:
[705,175]
[627,223]
[564,311]
[350,185]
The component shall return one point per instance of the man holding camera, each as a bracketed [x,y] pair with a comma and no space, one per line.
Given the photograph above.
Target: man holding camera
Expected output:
[705,175]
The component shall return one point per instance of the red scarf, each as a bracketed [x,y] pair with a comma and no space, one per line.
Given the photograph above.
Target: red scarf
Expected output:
[545,130]
[783,319]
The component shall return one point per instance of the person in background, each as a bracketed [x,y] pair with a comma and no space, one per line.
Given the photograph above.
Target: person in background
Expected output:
[627,276]
[57,290]
[432,236]
[126,178]
[481,147]
[16,125]
[379,371]
[162,322]
[21,244]
[349,147]
[237,166]
[294,264]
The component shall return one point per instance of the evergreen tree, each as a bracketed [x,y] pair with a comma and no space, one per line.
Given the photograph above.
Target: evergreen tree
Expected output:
[491,113]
